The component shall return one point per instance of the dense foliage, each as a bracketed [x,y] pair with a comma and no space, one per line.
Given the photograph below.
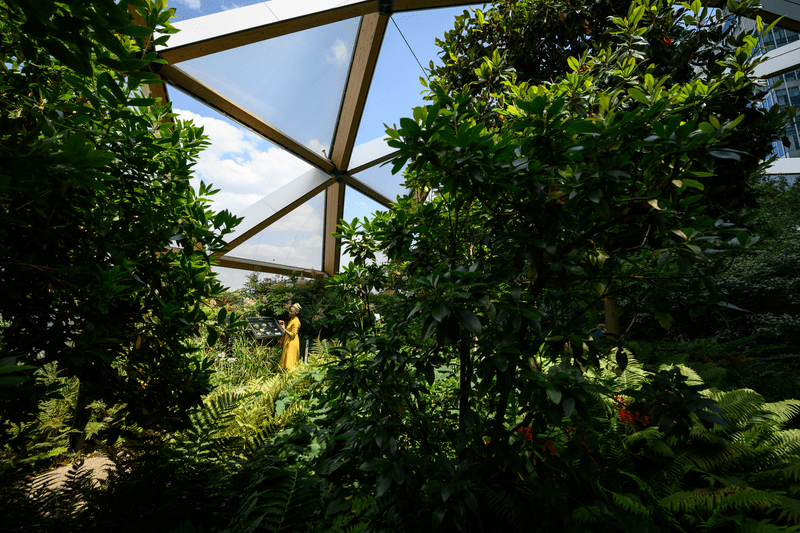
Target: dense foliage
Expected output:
[105,248]
[625,175]
[214,475]
[477,402]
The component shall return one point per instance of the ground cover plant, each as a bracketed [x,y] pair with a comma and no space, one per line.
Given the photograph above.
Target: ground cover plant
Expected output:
[104,247]
[216,474]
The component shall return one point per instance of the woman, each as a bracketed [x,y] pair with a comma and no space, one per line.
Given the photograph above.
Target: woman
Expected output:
[291,339]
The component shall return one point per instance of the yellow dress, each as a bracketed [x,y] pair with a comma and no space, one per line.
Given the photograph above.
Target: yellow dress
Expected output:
[291,345]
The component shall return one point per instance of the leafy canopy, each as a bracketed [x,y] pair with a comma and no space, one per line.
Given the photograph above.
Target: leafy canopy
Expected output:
[622,173]
[105,249]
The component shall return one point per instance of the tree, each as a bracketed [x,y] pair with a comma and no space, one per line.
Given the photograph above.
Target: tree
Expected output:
[105,249]
[623,175]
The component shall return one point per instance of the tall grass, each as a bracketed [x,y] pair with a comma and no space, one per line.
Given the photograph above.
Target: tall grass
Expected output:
[244,360]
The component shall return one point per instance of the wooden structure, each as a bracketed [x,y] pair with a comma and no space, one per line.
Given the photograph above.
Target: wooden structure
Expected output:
[335,171]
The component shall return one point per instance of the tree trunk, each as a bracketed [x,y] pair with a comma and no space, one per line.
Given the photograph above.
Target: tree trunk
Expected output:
[79,421]
[612,321]
[465,384]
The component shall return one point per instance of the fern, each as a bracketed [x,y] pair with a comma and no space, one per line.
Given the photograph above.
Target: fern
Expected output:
[748,525]
[287,499]
[706,502]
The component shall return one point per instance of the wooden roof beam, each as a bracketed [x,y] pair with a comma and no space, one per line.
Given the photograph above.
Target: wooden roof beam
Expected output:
[252,265]
[266,31]
[334,211]
[365,58]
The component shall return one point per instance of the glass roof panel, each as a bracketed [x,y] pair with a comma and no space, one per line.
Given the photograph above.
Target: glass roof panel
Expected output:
[233,278]
[203,20]
[396,87]
[194,10]
[245,168]
[294,82]
[243,165]
[370,151]
[295,240]
[381,179]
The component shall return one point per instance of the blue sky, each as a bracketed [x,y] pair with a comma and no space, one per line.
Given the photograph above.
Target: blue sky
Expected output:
[295,84]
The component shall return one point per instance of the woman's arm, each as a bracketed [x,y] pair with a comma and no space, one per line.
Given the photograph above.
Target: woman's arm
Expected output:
[292,329]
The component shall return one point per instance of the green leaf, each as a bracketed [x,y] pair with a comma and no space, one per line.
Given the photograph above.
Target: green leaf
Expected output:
[135,30]
[437,517]
[374,464]
[383,484]
[725,154]
[440,312]
[500,362]
[468,319]
[97,158]
[577,127]
[622,359]
[639,96]
[707,128]
[141,102]
[409,128]
[573,64]
[568,403]
[693,183]
[554,393]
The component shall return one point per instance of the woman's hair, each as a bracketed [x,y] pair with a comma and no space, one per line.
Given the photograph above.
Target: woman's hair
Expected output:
[297,307]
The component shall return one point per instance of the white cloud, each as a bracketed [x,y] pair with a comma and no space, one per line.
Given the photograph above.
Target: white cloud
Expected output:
[337,53]
[191,4]
[293,249]
[232,5]
[242,165]
[319,148]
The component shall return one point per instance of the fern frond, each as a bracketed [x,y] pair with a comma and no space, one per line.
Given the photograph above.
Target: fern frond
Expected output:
[505,509]
[748,525]
[692,377]
[587,515]
[712,456]
[784,444]
[630,504]
[706,501]
[287,498]
[778,476]
[739,406]
[790,510]
[709,372]
[783,411]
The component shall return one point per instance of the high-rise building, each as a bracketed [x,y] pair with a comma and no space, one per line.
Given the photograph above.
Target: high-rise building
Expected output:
[781,46]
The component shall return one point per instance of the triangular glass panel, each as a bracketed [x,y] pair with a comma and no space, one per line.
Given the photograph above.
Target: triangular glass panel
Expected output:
[200,20]
[396,87]
[233,278]
[365,154]
[197,9]
[295,240]
[381,179]
[293,82]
